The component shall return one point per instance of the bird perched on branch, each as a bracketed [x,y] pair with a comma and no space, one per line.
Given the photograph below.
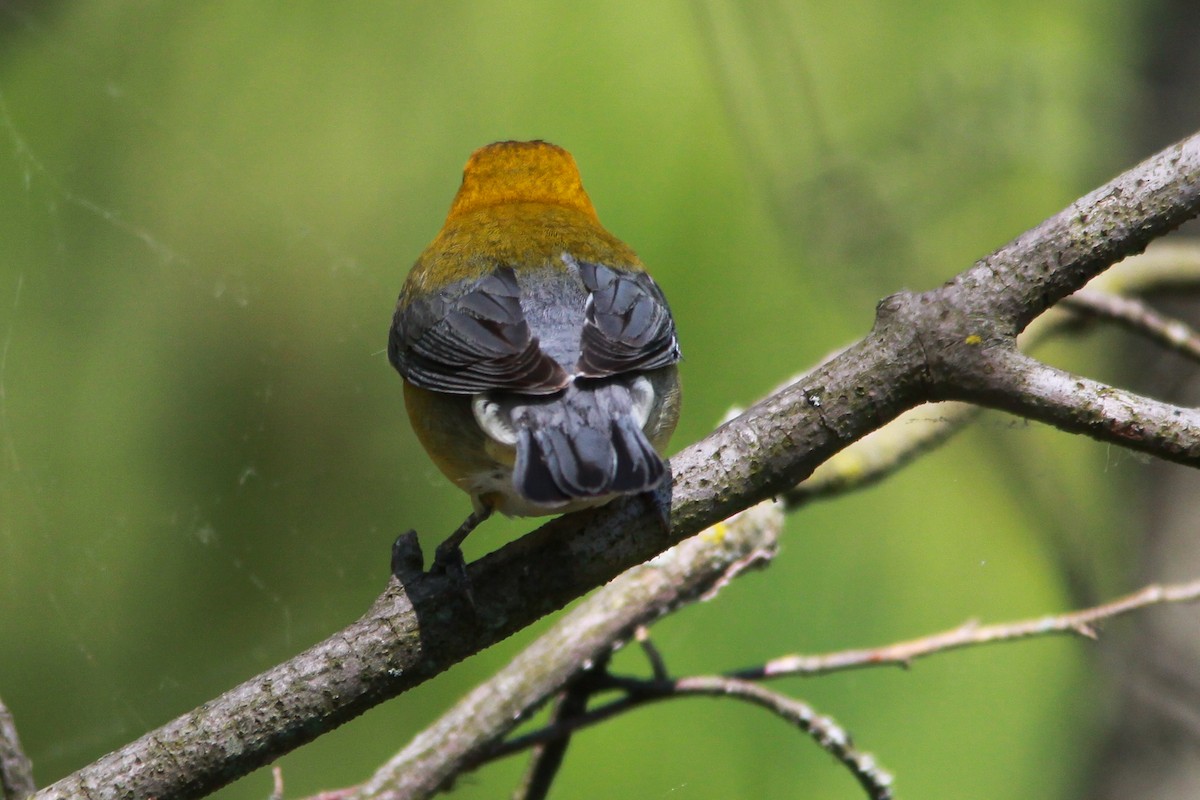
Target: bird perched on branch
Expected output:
[539,357]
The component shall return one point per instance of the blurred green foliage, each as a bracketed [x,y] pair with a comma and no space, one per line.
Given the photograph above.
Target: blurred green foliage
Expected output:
[206,211]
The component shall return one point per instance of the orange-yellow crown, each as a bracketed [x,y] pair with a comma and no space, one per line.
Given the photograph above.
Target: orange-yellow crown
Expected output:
[520,172]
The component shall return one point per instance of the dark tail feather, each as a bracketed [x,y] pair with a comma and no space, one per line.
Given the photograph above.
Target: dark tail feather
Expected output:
[584,462]
[534,475]
[583,444]
[639,467]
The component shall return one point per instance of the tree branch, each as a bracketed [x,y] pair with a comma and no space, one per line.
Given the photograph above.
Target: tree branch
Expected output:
[1164,267]
[548,756]
[688,572]
[882,452]
[971,634]
[1014,382]
[830,736]
[920,346]
[833,739]
[1042,266]
[1140,318]
[862,463]
[16,773]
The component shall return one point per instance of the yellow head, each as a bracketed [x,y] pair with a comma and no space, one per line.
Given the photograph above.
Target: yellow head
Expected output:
[520,172]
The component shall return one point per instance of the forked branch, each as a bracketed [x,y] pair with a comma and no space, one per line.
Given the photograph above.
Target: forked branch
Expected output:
[931,346]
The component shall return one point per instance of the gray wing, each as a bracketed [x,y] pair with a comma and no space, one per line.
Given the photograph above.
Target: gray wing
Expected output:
[471,339]
[627,324]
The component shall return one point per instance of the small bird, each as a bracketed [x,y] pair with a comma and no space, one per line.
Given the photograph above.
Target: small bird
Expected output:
[538,355]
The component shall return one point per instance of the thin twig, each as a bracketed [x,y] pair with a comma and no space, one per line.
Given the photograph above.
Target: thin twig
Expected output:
[971,633]
[276,783]
[883,452]
[547,757]
[16,771]
[657,665]
[1166,265]
[825,731]
[331,794]
[1140,318]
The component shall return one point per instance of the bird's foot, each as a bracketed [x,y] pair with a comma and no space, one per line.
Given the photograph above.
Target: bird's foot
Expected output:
[448,560]
[408,561]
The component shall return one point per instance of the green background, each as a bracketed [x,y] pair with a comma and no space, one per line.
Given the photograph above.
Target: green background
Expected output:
[206,212]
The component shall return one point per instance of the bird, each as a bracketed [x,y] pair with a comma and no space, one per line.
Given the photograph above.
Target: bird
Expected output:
[539,358]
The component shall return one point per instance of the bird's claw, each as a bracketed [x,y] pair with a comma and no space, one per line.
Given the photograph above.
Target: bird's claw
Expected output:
[448,560]
[408,561]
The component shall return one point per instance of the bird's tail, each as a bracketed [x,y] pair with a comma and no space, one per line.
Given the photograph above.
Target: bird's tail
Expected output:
[585,442]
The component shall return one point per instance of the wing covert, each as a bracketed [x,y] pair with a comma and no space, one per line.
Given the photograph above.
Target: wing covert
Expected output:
[627,323]
[474,341]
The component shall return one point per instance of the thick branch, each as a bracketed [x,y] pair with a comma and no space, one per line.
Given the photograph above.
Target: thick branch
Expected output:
[415,631]
[867,460]
[1043,265]
[1017,383]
